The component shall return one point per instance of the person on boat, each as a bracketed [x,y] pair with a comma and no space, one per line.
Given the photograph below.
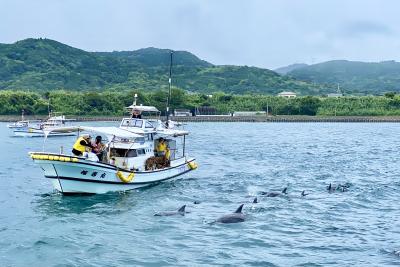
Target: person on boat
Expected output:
[82,145]
[98,147]
[136,114]
[162,148]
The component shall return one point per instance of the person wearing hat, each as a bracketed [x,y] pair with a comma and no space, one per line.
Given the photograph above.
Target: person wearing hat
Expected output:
[136,114]
[82,145]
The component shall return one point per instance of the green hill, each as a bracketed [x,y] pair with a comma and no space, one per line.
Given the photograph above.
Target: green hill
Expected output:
[289,68]
[45,65]
[352,76]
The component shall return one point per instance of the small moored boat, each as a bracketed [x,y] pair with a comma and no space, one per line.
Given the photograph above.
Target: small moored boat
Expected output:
[23,123]
[30,129]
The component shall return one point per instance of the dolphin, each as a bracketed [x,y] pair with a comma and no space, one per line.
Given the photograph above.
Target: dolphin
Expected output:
[235,217]
[303,194]
[342,188]
[331,188]
[255,200]
[275,194]
[181,211]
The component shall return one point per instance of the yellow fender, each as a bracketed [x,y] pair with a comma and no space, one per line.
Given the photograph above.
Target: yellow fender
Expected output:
[54,157]
[192,165]
[124,179]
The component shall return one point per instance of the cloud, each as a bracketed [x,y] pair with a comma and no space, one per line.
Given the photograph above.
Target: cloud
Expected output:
[365,28]
[263,33]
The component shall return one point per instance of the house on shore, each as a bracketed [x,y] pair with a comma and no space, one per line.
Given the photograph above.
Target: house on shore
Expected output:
[249,113]
[287,94]
[182,113]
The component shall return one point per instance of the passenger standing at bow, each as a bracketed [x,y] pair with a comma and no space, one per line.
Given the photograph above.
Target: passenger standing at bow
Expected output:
[82,145]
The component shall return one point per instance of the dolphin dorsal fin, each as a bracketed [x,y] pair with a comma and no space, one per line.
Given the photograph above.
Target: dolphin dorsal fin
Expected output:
[284,190]
[255,200]
[303,193]
[239,210]
[182,209]
[330,186]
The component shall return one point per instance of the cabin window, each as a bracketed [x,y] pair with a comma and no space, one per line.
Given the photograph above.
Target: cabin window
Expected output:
[133,123]
[149,125]
[118,152]
[137,123]
[140,140]
[131,153]
[140,151]
[148,137]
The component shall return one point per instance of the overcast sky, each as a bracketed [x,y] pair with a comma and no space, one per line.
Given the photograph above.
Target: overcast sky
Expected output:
[262,33]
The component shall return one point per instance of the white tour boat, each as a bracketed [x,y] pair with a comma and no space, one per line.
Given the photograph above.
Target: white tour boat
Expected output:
[129,159]
[24,123]
[30,129]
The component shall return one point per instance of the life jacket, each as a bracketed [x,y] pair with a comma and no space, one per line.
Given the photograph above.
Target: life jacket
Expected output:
[79,147]
[163,150]
[161,147]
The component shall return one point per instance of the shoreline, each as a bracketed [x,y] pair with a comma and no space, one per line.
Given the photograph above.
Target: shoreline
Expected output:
[282,118]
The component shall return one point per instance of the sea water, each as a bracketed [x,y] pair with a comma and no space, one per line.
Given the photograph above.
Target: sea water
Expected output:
[237,161]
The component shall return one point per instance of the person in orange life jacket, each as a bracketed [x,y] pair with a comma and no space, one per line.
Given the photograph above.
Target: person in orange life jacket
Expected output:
[98,147]
[82,145]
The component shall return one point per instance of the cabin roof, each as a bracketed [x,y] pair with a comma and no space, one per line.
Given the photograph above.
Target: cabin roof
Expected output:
[143,108]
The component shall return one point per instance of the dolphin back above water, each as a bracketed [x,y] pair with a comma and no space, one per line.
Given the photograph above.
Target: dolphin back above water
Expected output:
[275,194]
[235,217]
[339,188]
[303,194]
[181,211]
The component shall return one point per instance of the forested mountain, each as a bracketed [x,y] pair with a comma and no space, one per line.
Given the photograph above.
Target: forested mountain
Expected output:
[289,68]
[46,65]
[352,76]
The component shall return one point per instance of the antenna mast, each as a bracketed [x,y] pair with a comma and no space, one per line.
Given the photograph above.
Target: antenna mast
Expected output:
[169,85]
[48,108]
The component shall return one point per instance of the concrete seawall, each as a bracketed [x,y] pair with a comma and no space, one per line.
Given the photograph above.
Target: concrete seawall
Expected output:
[377,119]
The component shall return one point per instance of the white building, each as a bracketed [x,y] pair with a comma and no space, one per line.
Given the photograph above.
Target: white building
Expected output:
[287,94]
[249,113]
[182,113]
[335,95]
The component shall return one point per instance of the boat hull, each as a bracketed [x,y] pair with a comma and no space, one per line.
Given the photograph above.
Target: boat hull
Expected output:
[38,133]
[77,175]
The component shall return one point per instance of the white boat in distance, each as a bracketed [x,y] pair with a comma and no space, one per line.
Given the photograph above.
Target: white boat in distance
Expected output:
[129,160]
[24,123]
[30,129]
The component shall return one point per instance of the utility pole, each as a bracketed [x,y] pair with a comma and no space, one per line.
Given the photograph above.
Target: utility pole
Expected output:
[169,85]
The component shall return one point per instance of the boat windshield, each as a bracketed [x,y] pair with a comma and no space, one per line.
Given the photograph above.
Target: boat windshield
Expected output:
[137,123]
